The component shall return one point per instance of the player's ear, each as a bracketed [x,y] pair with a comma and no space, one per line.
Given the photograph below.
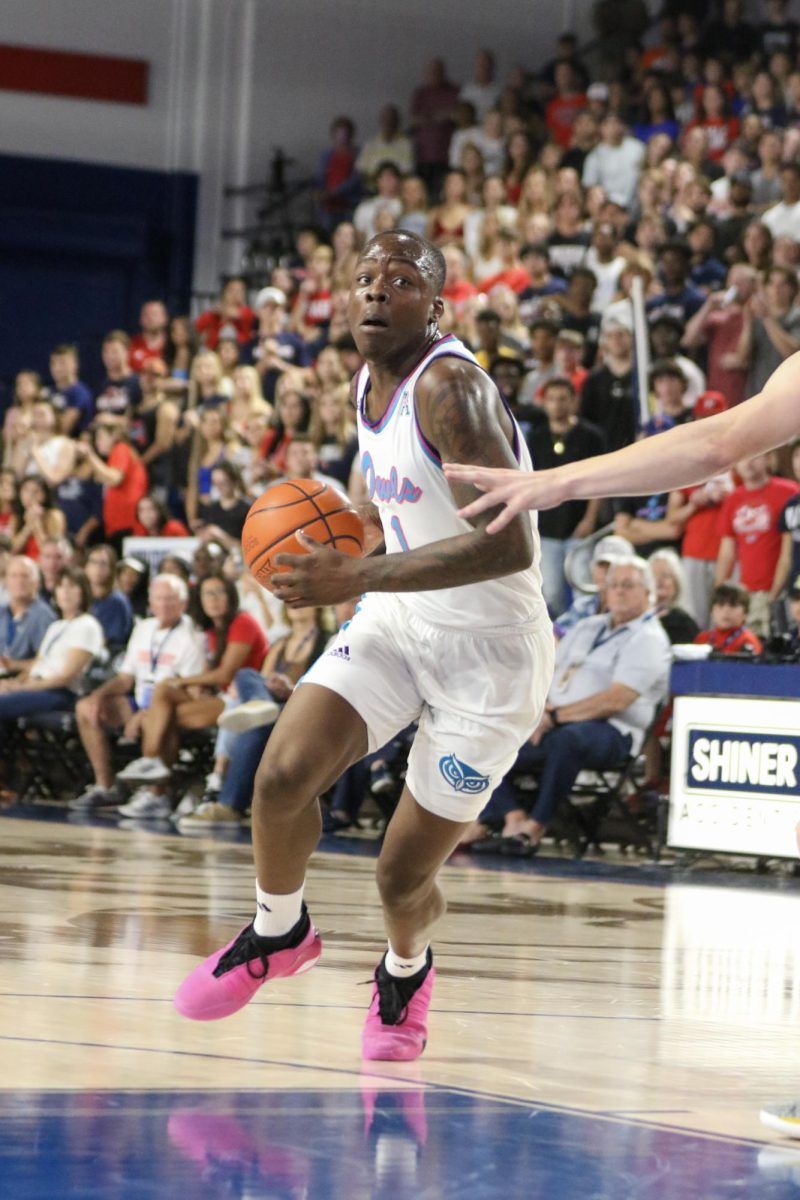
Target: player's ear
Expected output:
[437,308]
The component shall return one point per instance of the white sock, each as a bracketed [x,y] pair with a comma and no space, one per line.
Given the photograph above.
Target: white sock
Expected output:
[404,968]
[275,915]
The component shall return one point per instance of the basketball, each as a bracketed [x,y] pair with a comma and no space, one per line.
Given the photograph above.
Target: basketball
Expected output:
[298,505]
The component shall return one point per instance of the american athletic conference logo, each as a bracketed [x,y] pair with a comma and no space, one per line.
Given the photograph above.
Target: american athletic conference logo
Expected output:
[461,777]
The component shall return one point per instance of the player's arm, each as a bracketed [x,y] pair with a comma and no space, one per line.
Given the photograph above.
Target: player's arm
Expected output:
[678,458]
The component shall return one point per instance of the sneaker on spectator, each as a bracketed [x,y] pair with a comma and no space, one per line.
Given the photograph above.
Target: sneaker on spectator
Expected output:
[188,804]
[146,803]
[145,770]
[380,780]
[210,815]
[94,797]
[250,715]
[213,782]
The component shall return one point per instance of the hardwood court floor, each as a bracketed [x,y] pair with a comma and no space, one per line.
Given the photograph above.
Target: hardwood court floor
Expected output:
[589,1037]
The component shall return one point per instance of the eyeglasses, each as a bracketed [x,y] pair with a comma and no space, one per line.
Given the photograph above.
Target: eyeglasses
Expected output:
[212,592]
[625,585]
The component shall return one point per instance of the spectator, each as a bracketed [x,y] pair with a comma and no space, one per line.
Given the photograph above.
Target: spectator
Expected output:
[337,177]
[133,580]
[119,392]
[707,272]
[564,106]
[678,298]
[490,346]
[163,646]
[389,145]
[751,536]
[36,519]
[766,179]
[668,383]
[42,451]
[446,220]
[606,264]
[154,428]
[778,32]
[26,616]
[717,325]
[5,557]
[607,399]
[670,584]
[765,102]
[208,387]
[577,314]
[212,444]
[386,199]
[252,721]
[222,515]
[490,143]
[658,114]
[789,523]
[494,201]
[55,553]
[519,159]
[616,161]
[564,438]
[783,219]
[457,288]
[153,520]
[483,90]
[569,356]
[465,133]
[611,672]
[9,500]
[535,258]
[730,37]
[234,641]
[414,198]
[714,116]
[432,108]
[247,399]
[665,342]
[770,329]
[152,341]
[180,351]
[569,241]
[109,604]
[80,498]
[314,307]
[17,421]
[230,312]
[512,272]
[333,433]
[276,349]
[51,682]
[729,633]
[292,415]
[71,399]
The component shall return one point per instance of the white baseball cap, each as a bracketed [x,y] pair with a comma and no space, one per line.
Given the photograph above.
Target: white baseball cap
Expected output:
[611,547]
[271,295]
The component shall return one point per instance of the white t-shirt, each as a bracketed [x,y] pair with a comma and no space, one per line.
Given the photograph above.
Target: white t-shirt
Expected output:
[155,653]
[83,632]
[783,220]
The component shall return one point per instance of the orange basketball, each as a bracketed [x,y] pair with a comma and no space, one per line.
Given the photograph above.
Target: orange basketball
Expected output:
[299,505]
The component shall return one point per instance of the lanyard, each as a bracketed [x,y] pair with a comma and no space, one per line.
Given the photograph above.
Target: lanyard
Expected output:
[732,636]
[155,655]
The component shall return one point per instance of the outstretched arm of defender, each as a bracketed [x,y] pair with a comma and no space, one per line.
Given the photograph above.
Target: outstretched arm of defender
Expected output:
[678,458]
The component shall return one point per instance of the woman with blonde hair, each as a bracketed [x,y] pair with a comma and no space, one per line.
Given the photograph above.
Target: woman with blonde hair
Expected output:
[346,241]
[213,442]
[333,432]
[446,220]
[536,196]
[247,399]
[503,300]
[207,385]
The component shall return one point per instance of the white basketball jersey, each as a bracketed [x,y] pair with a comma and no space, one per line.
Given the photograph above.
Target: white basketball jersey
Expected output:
[404,480]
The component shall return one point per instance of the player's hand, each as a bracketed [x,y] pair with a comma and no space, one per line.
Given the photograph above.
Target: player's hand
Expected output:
[517,490]
[322,576]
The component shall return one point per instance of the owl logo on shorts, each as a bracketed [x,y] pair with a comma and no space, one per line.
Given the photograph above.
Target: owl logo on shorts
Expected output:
[462,777]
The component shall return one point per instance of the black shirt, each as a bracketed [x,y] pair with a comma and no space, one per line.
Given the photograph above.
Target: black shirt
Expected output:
[230,520]
[648,508]
[553,450]
[608,401]
[118,396]
[679,627]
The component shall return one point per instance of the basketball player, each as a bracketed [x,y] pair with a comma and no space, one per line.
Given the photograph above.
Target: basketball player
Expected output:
[452,632]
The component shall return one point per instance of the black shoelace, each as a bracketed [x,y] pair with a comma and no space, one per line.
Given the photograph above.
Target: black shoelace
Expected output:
[253,951]
[394,994]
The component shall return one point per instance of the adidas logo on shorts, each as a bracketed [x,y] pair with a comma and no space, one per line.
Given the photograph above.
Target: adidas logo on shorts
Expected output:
[342,652]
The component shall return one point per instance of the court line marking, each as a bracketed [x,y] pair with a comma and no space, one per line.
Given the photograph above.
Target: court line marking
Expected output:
[438,1088]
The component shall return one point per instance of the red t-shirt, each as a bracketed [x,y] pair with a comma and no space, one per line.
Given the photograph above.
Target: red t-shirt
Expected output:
[701,535]
[560,117]
[210,323]
[119,503]
[459,293]
[730,641]
[720,131]
[517,278]
[245,630]
[139,352]
[750,515]
[171,528]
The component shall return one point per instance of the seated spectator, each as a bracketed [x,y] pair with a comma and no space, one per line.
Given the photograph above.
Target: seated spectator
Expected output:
[564,438]
[110,606]
[247,399]
[569,355]
[253,719]
[386,198]
[565,104]
[658,114]
[153,520]
[55,554]
[71,399]
[715,117]
[752,538]
[119,392]
[508,375]
[276,348]
[588,604]
[333,433]
[163,646]
[514,333]
[133,581]
[457,288]
[231,310]
[783,219]
[512,273]
[728,633]
[24,618]
[222,515]
[36,519]
[51,682]
[151,342]
[616,161]
[292,416]
[346,242]
[234,642]
[494,201]
[212,444]
[208,387]
[302,462]
[766,179]
[670,585]
[228,354]
[611,672]
[390,144]
[446,220]
[707,272]
[116,465]
[414,197]
[40,449]
[9,499]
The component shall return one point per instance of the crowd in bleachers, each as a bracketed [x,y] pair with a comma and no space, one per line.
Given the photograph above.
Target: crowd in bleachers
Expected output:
[668,155]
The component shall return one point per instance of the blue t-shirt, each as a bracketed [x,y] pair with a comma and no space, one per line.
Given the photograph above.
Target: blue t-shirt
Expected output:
[116,617]
[80,499]
[709,273]
[77,395]
[21,637]
[682,304]
[644,130]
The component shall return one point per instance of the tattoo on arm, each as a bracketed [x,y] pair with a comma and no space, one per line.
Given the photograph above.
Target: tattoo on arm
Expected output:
[461,416]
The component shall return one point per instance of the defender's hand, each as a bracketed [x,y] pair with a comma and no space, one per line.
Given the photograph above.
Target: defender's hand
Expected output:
[322,576]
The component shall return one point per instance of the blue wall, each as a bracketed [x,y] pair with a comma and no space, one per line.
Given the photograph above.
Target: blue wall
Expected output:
[81,246]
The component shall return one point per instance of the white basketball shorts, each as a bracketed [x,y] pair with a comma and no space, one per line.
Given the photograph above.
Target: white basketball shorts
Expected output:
[477,696]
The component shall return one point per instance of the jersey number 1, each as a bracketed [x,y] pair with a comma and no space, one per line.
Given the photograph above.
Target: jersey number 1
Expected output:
[398,531]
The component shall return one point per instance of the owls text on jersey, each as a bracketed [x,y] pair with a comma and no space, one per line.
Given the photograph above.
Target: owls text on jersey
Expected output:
[404,480]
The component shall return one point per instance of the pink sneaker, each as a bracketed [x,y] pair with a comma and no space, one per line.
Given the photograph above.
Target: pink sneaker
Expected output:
[396,1026]
[230,977]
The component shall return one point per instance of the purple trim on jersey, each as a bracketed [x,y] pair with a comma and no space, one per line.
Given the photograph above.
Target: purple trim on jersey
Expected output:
[428,450]
[383,420]
[514,426]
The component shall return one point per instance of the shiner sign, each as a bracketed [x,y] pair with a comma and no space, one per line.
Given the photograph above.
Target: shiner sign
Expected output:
[735,775]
